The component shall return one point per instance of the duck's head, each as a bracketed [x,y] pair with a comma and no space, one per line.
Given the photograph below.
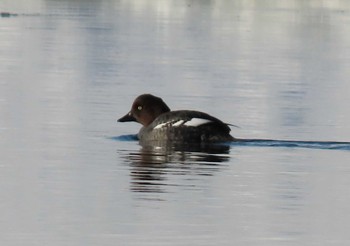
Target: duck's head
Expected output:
[145,109]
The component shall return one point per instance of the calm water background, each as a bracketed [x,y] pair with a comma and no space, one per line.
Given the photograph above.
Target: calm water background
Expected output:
[69,69]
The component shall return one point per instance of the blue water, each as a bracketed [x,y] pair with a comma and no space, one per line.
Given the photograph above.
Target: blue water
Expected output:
[71,175]
[267,143]
[328,145]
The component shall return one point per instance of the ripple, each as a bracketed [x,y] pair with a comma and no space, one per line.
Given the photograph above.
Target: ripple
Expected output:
[130,137]
[330,145]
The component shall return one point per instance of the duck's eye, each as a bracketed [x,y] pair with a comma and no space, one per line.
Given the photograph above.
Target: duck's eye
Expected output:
[139,108]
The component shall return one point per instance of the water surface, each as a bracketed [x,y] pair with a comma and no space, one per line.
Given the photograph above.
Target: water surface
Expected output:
[70,69]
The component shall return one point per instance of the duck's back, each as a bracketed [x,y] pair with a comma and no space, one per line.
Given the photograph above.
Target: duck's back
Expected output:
[186,126]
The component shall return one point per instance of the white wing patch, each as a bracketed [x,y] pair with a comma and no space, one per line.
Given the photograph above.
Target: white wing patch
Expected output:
[169,123]
[197,122]
[178,123]
[160,125]
[192,122]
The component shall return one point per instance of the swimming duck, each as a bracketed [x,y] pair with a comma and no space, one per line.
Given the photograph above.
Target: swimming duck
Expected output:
[180,126]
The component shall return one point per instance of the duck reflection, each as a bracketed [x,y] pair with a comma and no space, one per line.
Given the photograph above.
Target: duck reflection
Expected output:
[154,165]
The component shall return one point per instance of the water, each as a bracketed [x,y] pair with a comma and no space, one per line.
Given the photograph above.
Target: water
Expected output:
[71,175]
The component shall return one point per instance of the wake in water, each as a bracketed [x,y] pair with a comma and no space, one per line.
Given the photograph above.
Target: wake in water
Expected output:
[130,137]
[293,144]
[330,145]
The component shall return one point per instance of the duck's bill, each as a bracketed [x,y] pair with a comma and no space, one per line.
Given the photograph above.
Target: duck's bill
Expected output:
[127,117]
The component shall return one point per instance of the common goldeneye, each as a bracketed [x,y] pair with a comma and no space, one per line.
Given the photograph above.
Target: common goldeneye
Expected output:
[181,126]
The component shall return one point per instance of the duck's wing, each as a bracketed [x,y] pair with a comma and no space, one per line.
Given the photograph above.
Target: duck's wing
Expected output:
[189,118]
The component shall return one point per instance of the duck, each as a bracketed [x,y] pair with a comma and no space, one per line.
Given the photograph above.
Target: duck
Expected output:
[161,124]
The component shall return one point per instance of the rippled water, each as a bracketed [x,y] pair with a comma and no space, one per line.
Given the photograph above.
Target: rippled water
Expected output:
[71,175]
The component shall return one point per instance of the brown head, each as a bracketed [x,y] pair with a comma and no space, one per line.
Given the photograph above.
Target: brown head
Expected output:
[145,109]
